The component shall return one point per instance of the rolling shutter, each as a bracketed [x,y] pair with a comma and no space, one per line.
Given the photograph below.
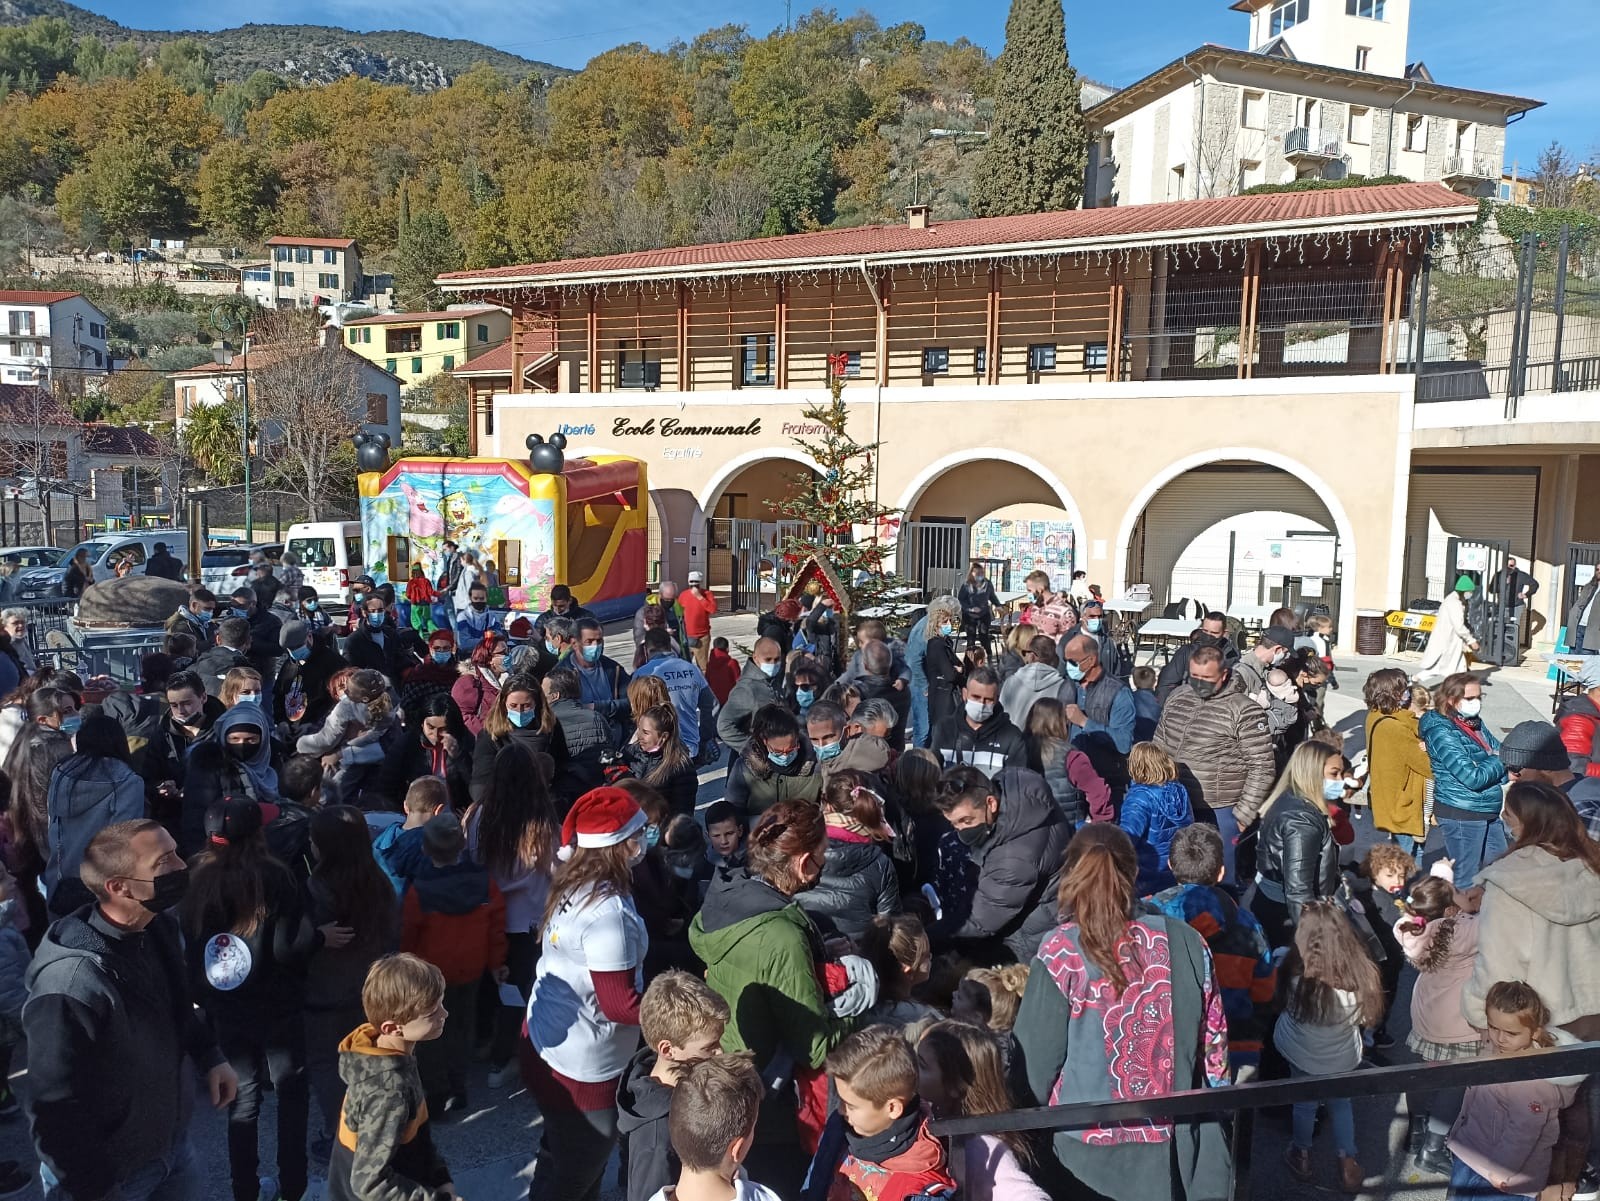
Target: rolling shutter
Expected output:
[1487,503]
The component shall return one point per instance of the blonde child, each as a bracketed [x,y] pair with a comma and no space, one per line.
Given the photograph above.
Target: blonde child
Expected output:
[990,996]
[1155,808]
[896,945]
[961,1074]
[1441,941]
[1503,1142]
[398,846]
[1333,992]
[241,686]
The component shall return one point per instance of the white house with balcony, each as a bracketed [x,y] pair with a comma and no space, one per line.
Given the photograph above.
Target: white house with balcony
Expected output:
[1325,91]
[48,337]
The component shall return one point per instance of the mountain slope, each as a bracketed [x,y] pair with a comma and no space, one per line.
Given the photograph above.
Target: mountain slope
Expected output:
[303,53]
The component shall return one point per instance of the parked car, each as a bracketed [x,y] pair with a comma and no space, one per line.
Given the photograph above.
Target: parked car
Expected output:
[44,583]
[32,556]
[224,568]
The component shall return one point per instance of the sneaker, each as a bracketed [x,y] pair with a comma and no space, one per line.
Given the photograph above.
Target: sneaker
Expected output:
[13,1180]
[1351,1178]
[1588,1186]
[507,1073]
[1298,1160]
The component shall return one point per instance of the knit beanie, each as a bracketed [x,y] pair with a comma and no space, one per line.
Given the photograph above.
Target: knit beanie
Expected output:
[1465,583]
[1536,745]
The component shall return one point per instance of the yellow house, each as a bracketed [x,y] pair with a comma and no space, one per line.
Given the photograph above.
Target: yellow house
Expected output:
[415,346]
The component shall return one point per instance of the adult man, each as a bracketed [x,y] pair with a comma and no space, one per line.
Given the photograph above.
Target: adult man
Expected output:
[1095,625]
[1533,750]
[760,683]
[668,594]
[163,760]
[232,650]
[916,665]
[829,730]
[1102,714]
[359,591]
[602,683]
[980,735]
[474,621]
[110,1023]
[376,644]
[194,617]
[265,629]
[1213,631]
[163,563]
[1016,836]
[873,630]
[449,567]
[1220,740]
[563,604]
[698,606]
[266,584]
[587,734]
[1514,588]
[1039,678]
[691,695]
[877,683]
[1579,720]
[300,688]
[1270,651]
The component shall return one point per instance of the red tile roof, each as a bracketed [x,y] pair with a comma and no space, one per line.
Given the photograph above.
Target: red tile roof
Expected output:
[125,440]
[36,297]
[31,405]
[1140,224]
[536,344]
[415,318]
[331,243]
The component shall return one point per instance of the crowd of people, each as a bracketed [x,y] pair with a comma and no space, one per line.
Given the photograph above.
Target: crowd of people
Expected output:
[987,865]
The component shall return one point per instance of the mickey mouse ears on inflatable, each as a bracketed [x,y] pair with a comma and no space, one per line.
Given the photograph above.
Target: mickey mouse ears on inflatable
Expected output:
[372,451]
[545,457]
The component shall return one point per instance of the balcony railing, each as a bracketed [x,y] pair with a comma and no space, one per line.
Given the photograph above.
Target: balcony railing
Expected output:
[1311,145]
[1472,167]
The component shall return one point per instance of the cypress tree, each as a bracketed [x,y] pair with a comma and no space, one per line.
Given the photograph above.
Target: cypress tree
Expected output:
[1038,149]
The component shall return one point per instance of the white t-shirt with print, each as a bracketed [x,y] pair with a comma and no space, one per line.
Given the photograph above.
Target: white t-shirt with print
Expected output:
[564,1019]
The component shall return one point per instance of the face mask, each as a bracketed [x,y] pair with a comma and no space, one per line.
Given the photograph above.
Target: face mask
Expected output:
[1279,658]
[946,629]
[831,751]
[1469,708]
[591,653]
[480,606]
[70,725]
[249,698]
[975,836]
[300,654]
[1204,689]
[205,615]
[804,697]
[781,758]
[552,649]
[1333,790]
[770,669]
[683,871]
[1074,672]
[169,890]
[638,853]
[443,656]
[243,750]
[374,620]
[521,718]
[652,835]
[979,711]
[1092,624]
[238,612]
[311,606]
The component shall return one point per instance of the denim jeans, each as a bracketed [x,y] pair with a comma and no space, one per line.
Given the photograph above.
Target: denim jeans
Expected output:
[171,1177]
[1467,1185]
[1340,1116]
[919,709]
[275,1050]
[1406,842]
[1472,846]
[1228,826]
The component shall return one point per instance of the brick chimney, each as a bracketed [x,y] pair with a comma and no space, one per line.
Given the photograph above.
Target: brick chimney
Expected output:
[917,216]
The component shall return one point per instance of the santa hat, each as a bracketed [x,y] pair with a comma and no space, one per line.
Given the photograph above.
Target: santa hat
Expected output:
[601,817]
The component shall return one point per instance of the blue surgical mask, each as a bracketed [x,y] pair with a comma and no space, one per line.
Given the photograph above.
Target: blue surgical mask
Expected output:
[781,759]
[312,606]
[831,751]
[205,616]
[249,698]
[551,648]
[300,654]
[238,612]
[520,717]
[69,725]
[592,652]
[652,835]
[946,629]
[374,620]
[770,669]
[804,697]
[1333,790]
[1092,624]
[1074,672]
[443,656]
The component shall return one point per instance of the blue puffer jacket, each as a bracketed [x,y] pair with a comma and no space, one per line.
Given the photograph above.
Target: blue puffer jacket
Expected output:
[1151,815]
[1465,775]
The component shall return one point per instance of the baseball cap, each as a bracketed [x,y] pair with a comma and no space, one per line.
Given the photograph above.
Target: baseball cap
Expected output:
[697,577]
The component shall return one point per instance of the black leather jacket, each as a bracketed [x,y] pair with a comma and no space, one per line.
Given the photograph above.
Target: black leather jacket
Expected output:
[1297,853]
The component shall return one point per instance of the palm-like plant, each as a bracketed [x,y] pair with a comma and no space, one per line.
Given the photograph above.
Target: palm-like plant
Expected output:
[211,440]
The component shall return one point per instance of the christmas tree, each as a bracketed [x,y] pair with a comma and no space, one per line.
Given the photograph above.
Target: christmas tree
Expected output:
[851,532]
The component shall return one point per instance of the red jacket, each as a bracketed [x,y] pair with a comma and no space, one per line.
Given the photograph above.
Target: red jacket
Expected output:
[697,613]
[722,673]
[1580,733]
[455,918]
[918,1171]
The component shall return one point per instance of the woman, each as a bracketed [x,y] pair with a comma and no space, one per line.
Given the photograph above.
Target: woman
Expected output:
[1397,762]
[779,624]
[941,858]
[234,759]
[79,574]
[1467,775]
[1078,1037]
[778,765]
[808,680]
[462,597]
[477,687]
[583,1016]
[858,879]
[436,673]
[822,630]
[978,603]
[763,955]
[347,892]
[1450,639]
[90,789]
[44,741]
[658,757]
[644,694]
[1297,859]
[1014,651]
[435,743]
[942,664]
[242,685]
[522,715]
[512,832]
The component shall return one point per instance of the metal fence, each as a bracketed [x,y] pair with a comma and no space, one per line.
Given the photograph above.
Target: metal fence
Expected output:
[114,653]
[272,511]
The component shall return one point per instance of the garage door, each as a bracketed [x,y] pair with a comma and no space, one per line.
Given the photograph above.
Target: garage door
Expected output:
[1445,503]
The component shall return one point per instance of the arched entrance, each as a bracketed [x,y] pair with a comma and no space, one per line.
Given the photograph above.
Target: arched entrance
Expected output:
[738,526]
[1239,530]
[990,504]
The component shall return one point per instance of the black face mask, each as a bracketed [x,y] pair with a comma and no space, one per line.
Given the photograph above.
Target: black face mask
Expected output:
[168,890]
[975,836]
[1210,640]
[243,750]
[1204,689]
[480,606]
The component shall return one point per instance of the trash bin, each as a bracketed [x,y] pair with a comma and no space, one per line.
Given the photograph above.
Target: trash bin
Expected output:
[1371,631]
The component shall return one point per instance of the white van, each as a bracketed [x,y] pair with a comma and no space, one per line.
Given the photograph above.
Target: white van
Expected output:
[330,558]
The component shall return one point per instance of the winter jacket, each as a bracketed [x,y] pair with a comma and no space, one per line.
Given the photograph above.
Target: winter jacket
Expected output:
[247,980]
[100,995]
[1252,675]
[1579,722]
[857,884]
[455,918]
[1146,714]
[995,745]
[978,601]
[215,773]
[474,695]
[879,688]
[362,649]
[486,749]
[1112,658]
[1034,682]
[1222,746]
[755,785]
[1297,856]
[139,714]
[722,673]
[1538,923]
[1080,791]
[681,788]
[588,737]
[1151,814]
[1467,774]
[87,794]
[762,956]
[603,685]
[215,664]
[384,1151]
[914,1165]
[14,959]
[992,1172]
[1436,996]
[413,757]
[752,691]
[1176,671]
[899,666]
[1018,868]
[1399,772]
[942,666]
[643,1104]
[1507,1132]
[1106,735]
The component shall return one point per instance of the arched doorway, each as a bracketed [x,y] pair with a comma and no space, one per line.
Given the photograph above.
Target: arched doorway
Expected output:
[738,526]
[1242,531]
[990,504]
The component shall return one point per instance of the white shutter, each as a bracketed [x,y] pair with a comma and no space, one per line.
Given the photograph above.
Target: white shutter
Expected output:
[1479,505]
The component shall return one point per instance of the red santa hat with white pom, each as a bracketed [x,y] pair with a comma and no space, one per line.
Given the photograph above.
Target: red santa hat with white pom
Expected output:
[601,817]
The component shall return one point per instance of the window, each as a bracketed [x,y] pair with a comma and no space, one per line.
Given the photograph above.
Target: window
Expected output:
[1362,54]
[353,551]
[852,364]
[1308,110]
[366,334]
[1505,191]
[330,256]
[447,330]
[483,332]
[508,557]
[403,340]
[22,323]
[399,557]
[285,279]
[757,360]
[1464,137]
[328,280]
[302,254]
[1042,357]
[1416,132]
[280,254]
[449,362]
[1287,14]
[1094,356]
[416,365]
[185,401]
[1360,125]
[25,350]
[1371,9]
[377,409]
[257,275]
[1253,110]
[1175,183]
[355,336]
[980,361]
[96,330]
[1250,174]
[638,365]
[389,366]
[935,360]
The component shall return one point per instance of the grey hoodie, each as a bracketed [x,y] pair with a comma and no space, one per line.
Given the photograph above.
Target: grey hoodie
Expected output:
[752,691]
[87,794]
[1032,682]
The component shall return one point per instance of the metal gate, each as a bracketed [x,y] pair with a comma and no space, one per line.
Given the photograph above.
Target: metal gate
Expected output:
[934,555]
[1491,613]
[1583,563]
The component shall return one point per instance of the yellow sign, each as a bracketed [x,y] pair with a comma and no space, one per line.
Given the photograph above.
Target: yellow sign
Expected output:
[1404,619]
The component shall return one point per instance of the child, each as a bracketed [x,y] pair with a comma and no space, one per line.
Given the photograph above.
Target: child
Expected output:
[726,834]
[897,948]
[1080,792]
[1333,991]
[1146,704]
[454,917]
[961,1073]
[682,1022]
[398,846]
[716,1097]
[683,846]
[877,1144]
[990,996]
[14,960]
[310,609]
[1503,1141]
[722,671]
[420,595]
[350,741]
[1441,942]
[385,1146]
[1377,884]
[1247,975]
[1155,808]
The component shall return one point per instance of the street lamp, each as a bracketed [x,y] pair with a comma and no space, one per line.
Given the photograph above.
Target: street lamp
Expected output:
[223,318]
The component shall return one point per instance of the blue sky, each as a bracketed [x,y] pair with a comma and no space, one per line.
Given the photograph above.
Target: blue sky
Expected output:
[1486,44]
